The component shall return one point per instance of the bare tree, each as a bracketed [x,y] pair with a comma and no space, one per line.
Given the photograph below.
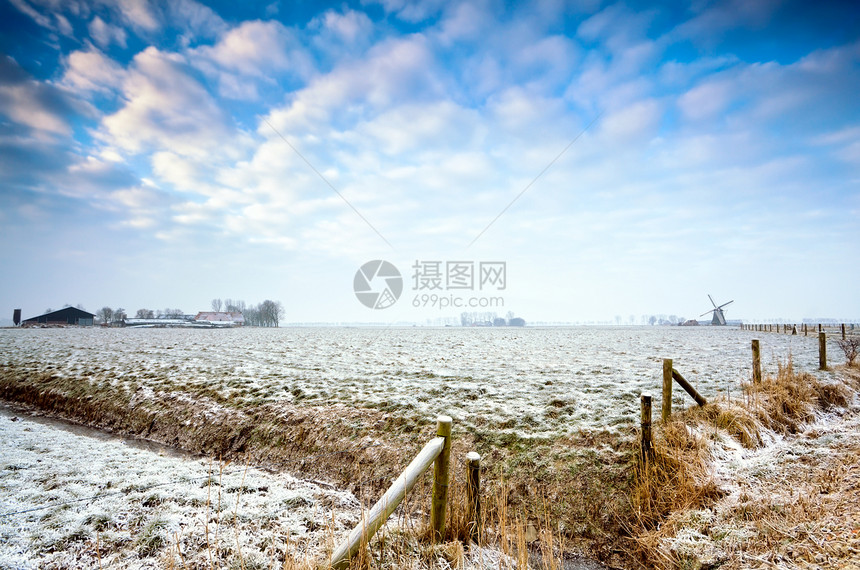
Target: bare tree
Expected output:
[270,313]
[850,346]
[252,316]
[105,314]
[119,314]
[144,314]
[216,305]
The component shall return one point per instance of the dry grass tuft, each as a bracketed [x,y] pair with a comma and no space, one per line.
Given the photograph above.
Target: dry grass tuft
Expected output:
[784,402]
[678,480]
[676,477]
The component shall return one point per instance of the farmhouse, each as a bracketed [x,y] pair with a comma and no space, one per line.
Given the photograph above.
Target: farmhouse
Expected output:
[67,316]
[231,318]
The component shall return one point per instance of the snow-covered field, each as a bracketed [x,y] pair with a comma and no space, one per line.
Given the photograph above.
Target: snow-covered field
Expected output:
[64,494]
[542,381]
[67,499]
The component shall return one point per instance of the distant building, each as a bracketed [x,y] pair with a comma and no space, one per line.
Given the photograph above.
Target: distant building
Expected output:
[231,318]
[67,316]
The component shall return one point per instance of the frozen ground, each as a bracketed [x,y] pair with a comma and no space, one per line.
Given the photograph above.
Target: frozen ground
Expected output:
[143,509]
[538,381]
[73,497]
[793,504]
[64,495]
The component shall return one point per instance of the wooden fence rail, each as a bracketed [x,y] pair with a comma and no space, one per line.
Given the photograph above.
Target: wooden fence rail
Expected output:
[670,374]
[438,450]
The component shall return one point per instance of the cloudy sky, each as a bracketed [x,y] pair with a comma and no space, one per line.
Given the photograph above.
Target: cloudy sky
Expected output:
[620,159]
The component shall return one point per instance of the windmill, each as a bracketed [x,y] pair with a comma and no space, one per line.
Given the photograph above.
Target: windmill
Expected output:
[719,317]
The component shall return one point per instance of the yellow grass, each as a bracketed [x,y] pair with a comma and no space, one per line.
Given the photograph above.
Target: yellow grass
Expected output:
[683,519]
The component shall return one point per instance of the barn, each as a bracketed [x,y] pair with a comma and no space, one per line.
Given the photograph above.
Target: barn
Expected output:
[67,316]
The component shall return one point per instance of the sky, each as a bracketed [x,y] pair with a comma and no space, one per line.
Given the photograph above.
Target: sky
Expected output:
[562,161]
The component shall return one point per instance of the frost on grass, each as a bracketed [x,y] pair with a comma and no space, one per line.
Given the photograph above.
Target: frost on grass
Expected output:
[544,382]
[791,500]
[68,500]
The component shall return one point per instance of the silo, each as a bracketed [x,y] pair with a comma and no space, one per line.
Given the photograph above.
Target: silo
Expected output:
[16,317]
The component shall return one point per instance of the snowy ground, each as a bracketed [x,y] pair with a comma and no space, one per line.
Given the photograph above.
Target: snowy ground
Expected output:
[537,381]
[67,499]
[792,504]
[72,497]
[64,495]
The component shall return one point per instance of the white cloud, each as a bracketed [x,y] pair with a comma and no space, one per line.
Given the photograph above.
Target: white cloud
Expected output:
[846,142]
[465,21]
[197,20]
[348,27]
[63,25]
[527,115]
[25,8]
[105,34]
[92,71]
[415,127]
[253,48]
[141,15]
[707,100]
[616,29]
[25,104]
[253,52]
[36,104]
[717,17]
[395,71]
[635,122]
[166,108]
[413,10]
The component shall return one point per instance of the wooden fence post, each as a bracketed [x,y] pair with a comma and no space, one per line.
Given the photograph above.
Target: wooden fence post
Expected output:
[794,330]
[379,513]
[646,443]
[440,479]
[756,353]
[666,411]
[843,331]
[473,496]
[822,351]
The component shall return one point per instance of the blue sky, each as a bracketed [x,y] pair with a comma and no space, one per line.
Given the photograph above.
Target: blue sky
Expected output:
[162,154]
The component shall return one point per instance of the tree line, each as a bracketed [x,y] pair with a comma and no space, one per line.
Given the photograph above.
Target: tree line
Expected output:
[266,314]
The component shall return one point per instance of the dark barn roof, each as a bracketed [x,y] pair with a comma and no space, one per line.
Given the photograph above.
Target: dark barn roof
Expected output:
[67,316]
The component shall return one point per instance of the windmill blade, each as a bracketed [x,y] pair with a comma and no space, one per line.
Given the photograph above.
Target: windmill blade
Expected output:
[712,301]
[724,304]
[707,312]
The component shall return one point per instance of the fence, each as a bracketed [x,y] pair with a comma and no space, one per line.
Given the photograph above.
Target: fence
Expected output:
[437,452]
[845,329]
[670,375]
